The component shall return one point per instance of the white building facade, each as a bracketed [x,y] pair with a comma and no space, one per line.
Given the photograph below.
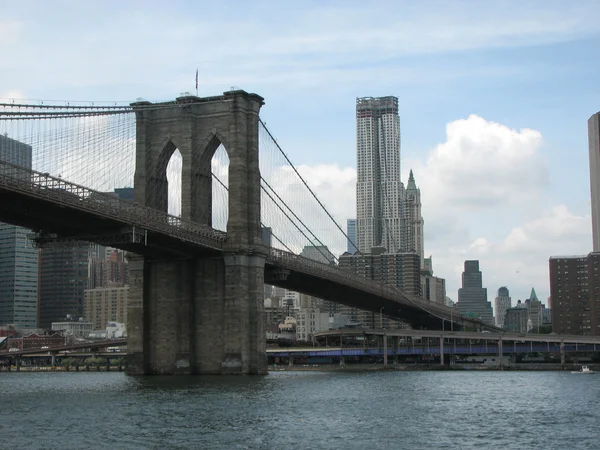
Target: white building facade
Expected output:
[309,322]
[501,304]
[379,191]
[75,328]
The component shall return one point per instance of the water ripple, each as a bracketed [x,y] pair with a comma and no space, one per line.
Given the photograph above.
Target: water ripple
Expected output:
[309,410]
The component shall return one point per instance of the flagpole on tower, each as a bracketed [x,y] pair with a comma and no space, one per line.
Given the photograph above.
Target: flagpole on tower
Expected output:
[196,82]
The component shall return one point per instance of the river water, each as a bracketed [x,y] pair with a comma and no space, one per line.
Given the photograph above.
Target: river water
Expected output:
[301,410]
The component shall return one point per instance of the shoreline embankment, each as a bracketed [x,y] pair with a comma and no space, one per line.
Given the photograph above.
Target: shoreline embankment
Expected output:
[341,368]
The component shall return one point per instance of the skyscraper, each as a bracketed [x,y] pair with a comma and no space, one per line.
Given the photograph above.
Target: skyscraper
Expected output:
[501,304]
[63,280]
[18,258]
[414,219]
[379,191]
[594,144]
[575,292]
[472,297]
[351,232]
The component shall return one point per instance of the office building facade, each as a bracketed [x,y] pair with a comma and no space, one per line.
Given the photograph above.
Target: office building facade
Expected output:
[575,292]
[63,278]
[501,303]
[351,233]
[433,288]
[318,253]
[401,270]
[18,257]
[104,305]
[472,297]
[515,320]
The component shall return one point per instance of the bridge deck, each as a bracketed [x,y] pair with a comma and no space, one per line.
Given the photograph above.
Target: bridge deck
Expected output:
[41,202]
[72,212]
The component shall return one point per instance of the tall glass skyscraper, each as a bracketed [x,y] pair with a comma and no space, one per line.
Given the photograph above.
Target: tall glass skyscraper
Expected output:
[379,191]
[63,280]
[18,258]
[472,297]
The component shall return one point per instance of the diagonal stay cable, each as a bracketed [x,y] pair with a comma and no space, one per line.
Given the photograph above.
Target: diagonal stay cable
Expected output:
[304,182]
[297,227]
[281,201]
[417,304]
[262,224]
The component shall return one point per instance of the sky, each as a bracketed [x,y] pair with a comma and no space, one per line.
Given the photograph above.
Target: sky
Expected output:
[494,98]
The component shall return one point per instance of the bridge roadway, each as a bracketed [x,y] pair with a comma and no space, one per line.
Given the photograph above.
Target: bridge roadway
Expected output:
[62,348]
[522,343]
[555,338]
[64,212]
[444,343]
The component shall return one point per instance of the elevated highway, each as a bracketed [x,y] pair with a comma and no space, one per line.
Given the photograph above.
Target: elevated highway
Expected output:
[63,348]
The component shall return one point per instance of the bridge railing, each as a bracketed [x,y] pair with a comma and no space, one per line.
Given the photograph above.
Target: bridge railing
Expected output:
[57,190]
[311,267]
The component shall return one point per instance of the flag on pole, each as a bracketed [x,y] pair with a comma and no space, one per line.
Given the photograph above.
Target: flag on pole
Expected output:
[196,79]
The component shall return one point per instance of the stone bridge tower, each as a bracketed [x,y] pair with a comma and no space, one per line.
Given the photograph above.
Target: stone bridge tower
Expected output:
[200,315]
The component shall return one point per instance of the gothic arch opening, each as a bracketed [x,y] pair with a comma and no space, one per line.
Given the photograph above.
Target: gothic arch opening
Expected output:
[219,166]
[174,179]
[163,188]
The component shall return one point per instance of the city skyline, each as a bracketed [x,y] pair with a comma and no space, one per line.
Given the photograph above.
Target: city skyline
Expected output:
[502,165]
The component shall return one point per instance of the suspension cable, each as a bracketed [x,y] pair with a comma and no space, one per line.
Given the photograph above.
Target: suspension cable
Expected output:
[281,201]
[305,184]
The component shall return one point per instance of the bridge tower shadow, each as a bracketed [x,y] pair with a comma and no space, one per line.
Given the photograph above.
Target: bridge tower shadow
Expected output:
[200,315]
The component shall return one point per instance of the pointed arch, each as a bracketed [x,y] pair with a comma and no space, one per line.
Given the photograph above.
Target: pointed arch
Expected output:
[220,188]
[174,174]
[165,155]
[157,187]
[211,143]
[210,194]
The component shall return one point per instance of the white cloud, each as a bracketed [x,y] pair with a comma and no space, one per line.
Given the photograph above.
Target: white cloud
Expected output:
[483,192]
[482,165]
[479,246]
[520,259]
[480,183]
[11,95]
[558,230]
[334,186]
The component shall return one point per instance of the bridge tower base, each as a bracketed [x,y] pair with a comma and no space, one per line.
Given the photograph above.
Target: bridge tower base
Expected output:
[201,316]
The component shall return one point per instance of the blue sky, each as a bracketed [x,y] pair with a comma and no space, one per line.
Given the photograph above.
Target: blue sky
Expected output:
[502,67]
